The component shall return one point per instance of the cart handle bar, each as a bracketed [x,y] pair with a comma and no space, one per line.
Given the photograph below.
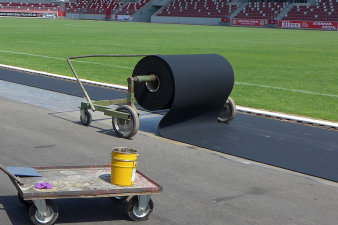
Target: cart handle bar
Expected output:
[91,56]
[17,179]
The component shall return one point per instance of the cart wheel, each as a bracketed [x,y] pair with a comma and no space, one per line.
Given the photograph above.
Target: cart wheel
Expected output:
[134,212]
[85,117]
[126,128]
[228,112]
[49,219]
[26,203]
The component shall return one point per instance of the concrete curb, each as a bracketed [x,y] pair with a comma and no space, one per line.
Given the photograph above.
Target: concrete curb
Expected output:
[277,115]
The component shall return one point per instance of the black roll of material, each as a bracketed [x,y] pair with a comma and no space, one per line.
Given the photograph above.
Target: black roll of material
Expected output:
[193,87]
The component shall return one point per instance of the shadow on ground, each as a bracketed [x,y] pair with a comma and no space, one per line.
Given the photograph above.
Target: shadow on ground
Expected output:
[70,210]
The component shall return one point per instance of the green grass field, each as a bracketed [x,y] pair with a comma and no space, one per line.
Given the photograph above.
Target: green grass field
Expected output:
[292,71]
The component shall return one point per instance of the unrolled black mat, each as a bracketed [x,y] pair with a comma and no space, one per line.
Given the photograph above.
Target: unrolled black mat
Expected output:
[304,149]
[195,87]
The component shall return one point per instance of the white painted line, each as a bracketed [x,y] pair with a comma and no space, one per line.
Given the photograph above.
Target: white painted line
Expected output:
[63,59]
[24,53]
[239,108]
[288,89]
[287,116]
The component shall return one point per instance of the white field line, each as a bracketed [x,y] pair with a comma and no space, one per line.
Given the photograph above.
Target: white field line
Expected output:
[63,59]
[239,108]
[287,116]
[288,89]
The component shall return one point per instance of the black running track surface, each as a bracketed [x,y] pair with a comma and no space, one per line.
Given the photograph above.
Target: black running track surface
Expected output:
[300,148]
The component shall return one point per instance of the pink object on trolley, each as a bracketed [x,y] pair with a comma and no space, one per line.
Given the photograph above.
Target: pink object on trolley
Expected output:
[43,186]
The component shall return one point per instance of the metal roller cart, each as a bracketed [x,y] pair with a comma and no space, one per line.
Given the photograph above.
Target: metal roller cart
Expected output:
[81,182]
[125,118]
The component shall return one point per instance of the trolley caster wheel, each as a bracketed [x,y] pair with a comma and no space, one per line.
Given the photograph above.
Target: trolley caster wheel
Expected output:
[26,203]
[126,128]
[228,112]
[134,211]
[51,216]
[85,117]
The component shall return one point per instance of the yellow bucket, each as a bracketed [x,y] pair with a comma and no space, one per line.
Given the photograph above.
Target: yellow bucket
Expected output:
[123,166]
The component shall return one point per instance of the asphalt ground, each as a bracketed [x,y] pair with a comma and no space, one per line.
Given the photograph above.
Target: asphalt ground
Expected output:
[305,149]
[40,127]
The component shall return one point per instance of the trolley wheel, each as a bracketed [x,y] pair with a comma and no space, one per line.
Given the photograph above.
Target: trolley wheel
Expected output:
[228,112]
[85,117]
[26,203]
[49,219]
[134,212]
[126,128]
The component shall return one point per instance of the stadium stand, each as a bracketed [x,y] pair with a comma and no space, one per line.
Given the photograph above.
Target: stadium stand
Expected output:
[262,10]
[28,7]
[101,6]
[132,7]
[212,12]
[104,6]
[322,10]
[77,7]
[199,8]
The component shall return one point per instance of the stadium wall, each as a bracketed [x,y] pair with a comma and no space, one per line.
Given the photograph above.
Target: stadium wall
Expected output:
[74,16]
[186,20]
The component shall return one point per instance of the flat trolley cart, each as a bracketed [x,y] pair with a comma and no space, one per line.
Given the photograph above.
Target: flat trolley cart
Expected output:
[81,182]
[125,119]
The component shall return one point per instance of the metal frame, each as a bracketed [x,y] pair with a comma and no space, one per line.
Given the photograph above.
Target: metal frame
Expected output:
[143,201]
[11,176]
[41,206]
[104,105]
[93,56]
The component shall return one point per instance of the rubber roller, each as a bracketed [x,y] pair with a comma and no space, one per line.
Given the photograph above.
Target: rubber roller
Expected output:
[189,85]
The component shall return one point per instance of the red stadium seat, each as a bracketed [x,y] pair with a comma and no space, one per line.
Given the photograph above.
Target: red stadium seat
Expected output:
[321,10]
[199,8]
[262,10]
